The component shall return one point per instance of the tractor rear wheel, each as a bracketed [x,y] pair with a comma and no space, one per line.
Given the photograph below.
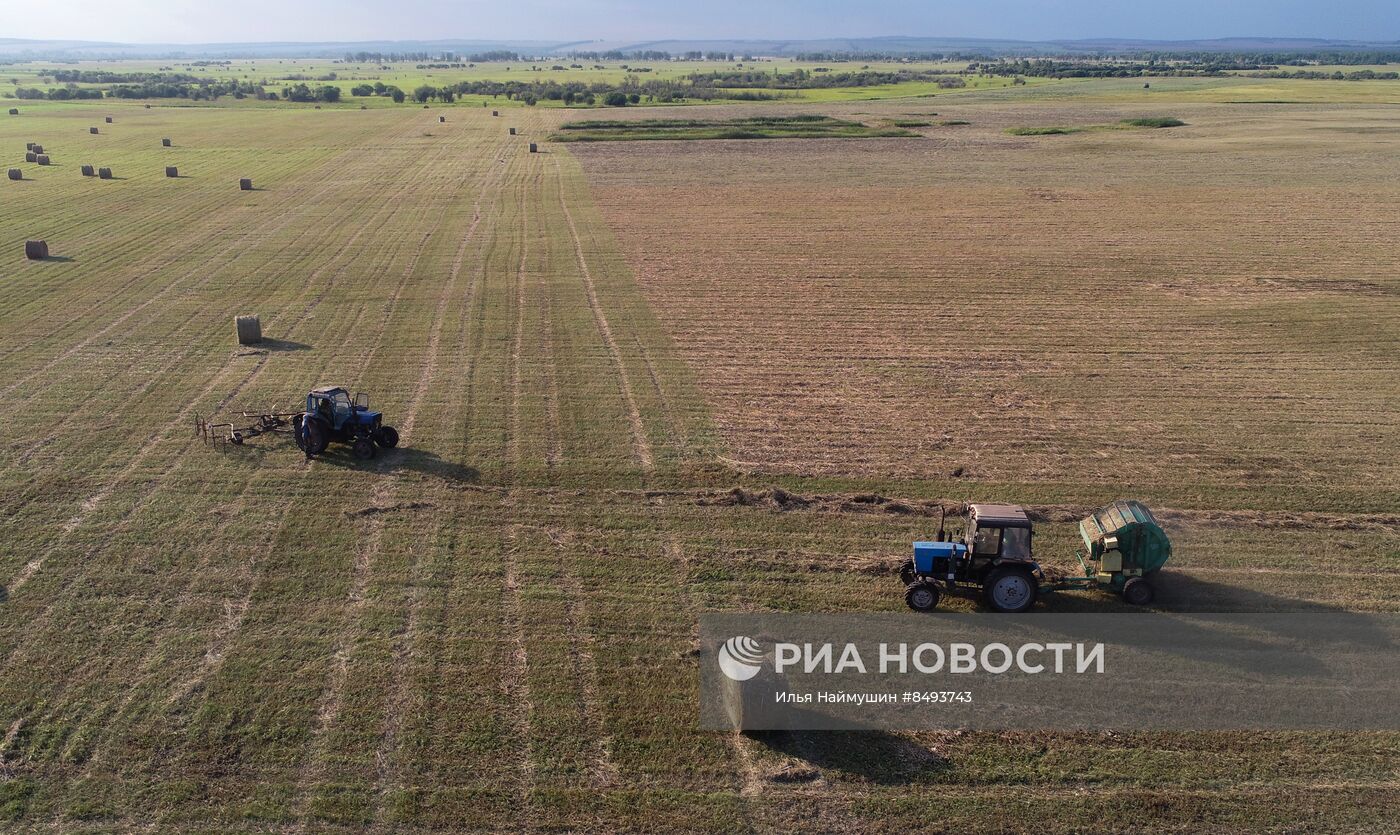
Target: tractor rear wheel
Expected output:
[921,597]
[315,436]
[1138,591]
[387,437]
[363,448]
[1010,590]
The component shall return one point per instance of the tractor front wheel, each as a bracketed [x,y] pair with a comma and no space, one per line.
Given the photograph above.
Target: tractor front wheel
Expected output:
[1138,591]
[907,574]
[1010,590]
[363,448]
[387,437]
[921,597]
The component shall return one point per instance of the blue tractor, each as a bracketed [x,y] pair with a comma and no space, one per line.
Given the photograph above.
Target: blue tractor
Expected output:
[1124,548]
[332,415]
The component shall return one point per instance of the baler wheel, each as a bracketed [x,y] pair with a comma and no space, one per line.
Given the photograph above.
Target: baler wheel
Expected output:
[387,437]
[1010,590]
[921,597]
[1138,591]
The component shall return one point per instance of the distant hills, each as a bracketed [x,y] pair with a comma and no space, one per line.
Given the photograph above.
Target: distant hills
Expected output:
[19,49]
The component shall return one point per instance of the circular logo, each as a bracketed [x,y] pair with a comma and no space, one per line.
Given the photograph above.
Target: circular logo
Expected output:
[740,657]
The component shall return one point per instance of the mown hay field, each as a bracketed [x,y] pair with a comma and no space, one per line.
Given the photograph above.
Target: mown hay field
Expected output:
[585,349]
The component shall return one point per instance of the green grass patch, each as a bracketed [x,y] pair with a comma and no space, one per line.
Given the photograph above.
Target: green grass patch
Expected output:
[910,123]
[1153,122]
[1052,130]
[1048,130]
[948,123]
[755,127]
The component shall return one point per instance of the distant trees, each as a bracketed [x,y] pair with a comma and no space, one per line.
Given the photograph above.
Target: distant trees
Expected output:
[423,92]
[362,90]
[616,98]
[302,93]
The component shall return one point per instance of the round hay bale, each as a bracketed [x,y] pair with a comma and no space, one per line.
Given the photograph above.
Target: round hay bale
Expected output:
[42,159]
[92,131]
[495,113]
[534,149]
[165,143]
[442,119]
[36,250]
[38,149]
[318,107]
[104,173]
[172,171]
[30,156]
[14,111]
[29,146]
[109,120]
[364,107]
[249,329]
[245,184]
[88,171]
[148,107]
[512,131]
[16,174]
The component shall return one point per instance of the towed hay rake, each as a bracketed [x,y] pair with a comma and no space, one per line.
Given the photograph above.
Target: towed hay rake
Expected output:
[331,414]
[254,424]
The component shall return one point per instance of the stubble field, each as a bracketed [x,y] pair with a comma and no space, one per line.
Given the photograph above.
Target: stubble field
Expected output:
[585,349]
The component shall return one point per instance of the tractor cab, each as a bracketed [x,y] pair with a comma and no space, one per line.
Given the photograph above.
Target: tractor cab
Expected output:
[997,533]
[334,405]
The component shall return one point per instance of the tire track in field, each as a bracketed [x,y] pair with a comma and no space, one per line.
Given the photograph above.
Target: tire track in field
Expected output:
[583,660]
[331,703]
[675,429]
[751,784]
[515,684]
[641,447]
[518,331]
[386,753]
[554,456]
[581,640]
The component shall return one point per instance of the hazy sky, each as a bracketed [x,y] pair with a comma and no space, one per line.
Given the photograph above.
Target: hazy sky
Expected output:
[192,21]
